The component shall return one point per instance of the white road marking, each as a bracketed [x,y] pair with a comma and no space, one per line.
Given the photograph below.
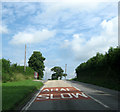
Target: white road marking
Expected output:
[62,89]
[62,96]
[45,90]
[99,102]
[95,100]
[78,94]
[56,89]
[67,89]
[51,97]
[45,96]
[76,88]
[51,89]
[31,101]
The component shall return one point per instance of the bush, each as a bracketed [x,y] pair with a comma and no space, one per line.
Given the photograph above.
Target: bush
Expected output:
[101,69]
[14,72]
[5,77]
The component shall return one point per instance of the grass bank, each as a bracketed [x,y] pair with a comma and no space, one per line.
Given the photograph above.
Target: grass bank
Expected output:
[13,93]
[13,72]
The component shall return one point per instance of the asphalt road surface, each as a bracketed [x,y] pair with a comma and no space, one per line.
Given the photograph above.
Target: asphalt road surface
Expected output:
[73,95]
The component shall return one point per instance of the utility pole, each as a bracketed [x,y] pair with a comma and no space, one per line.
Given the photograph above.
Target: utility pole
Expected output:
[65,69]
[25,60]
[45,75]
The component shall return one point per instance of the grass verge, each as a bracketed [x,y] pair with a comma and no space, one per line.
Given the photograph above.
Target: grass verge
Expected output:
[13,93]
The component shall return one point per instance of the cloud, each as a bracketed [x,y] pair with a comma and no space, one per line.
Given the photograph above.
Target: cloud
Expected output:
[67,1]
[60,11]
[3,29]
[14,10]
[32,36]
[83,49]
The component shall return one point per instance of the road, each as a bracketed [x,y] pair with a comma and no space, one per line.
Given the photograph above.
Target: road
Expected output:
[73,95]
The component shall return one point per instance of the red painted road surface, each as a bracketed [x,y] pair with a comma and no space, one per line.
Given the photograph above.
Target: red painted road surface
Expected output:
[60,93]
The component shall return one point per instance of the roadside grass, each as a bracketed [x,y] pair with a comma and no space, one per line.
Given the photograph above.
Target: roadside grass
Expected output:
[13,93]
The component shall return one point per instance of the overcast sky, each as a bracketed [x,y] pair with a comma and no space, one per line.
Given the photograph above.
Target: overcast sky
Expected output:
[64,32]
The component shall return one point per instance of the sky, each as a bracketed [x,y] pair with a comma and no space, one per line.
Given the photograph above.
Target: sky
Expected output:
[64,32]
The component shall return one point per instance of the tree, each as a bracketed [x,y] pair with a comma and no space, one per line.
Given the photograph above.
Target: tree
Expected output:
[58,72]
[65,75]
[54,76]
[6,65]
[36,62]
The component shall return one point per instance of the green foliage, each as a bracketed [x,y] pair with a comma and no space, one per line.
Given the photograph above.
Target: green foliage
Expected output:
[36,62]
[14,72]
[65,75]
[58,72]
[0,68]
[6,65]
[16,93]
[109,63]
[54,76]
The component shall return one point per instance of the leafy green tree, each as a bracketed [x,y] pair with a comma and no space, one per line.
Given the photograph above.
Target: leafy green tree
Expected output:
[58,72]
[6,65]
[109,62]
[54,76]
[36,62]
[65,75]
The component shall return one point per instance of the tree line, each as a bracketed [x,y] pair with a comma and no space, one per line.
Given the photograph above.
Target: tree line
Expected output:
[110,59]
[103,66]
[14,72]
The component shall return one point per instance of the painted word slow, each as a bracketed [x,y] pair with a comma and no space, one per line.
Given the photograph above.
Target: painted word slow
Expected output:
[60,93]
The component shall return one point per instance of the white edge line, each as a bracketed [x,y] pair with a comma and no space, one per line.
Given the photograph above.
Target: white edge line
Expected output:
[95,99]
[99,102]
[77,88]
[31,101]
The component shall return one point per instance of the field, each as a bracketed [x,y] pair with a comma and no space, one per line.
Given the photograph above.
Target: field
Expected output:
[15,93]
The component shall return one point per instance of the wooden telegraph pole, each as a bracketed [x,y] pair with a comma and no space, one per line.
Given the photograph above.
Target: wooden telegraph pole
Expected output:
[25,60]
[65,69]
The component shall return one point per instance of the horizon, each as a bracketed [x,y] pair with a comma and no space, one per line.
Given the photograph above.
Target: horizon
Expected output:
[65,33]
